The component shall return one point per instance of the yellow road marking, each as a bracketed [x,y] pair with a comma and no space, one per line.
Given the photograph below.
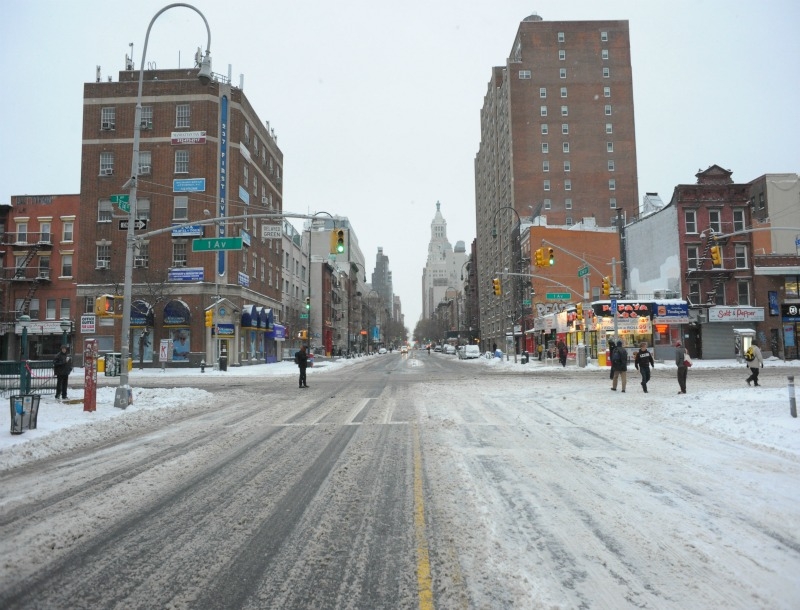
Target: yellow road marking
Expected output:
[423,559]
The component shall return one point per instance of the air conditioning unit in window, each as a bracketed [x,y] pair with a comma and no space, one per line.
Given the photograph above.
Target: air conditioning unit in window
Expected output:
[264,200]
[44,274]
[179,264]
[139,263]
[146,124]
[107,171]
[102,264]
[107,125]
[144,169]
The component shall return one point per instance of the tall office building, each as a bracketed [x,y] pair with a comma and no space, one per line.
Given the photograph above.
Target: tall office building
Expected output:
[557,142]
[444,266]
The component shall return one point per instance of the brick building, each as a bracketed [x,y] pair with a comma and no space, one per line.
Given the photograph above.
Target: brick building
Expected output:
[557,139]
[204,153]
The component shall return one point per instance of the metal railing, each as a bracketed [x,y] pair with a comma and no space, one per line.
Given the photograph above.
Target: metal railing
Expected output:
[40,372]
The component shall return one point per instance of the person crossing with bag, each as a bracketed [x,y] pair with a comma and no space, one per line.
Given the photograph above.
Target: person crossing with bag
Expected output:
[643,360]
[683,362]
[755,361]
[619,366]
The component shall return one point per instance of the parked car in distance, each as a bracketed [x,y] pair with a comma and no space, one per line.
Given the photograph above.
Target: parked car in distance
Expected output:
[382,350]
[438,348]
[471,351]
[450,349]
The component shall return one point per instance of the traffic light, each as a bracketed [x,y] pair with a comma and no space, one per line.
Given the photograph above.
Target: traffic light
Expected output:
[551,259]
[302,335]
[579,311]
[606,286]
[308,303]
[497,287]
[540,257]
[339,241]
[209,318]
[104,305]
[716,255]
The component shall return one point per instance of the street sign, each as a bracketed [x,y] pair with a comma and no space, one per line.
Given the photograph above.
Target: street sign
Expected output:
[303,316]
[583,271]
[122,201]
[138,224]
[526,301]
[269,231]
[554,296]
[613,304]
[216,243]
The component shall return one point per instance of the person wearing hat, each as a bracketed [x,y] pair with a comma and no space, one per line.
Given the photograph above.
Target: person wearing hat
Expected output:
[680,361]
[62,367]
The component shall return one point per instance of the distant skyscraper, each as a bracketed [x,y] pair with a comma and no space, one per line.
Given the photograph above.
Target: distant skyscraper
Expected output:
[443,267]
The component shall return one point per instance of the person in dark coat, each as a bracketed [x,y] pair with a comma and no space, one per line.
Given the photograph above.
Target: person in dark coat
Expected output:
[562,353]
[643,360]
[680,362]
[619,366]
[62,367]
[301,359]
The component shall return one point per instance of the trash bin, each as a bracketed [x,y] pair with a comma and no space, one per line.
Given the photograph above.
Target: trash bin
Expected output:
[24,412]
[525,357]
[112,362]
[223,362]
[580,354]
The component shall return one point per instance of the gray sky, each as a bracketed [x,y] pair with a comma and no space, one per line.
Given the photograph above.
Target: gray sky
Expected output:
[376,105]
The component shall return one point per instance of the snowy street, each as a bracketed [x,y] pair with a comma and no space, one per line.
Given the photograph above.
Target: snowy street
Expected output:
[418,481]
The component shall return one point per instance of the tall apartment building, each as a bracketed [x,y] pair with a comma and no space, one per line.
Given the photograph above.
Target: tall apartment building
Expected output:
[204,153]
[557,140]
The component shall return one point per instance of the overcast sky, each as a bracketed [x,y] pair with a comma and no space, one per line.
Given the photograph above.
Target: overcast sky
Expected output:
[376,105]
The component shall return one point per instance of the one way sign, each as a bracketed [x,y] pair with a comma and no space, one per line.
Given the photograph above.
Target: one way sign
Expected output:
[138,224]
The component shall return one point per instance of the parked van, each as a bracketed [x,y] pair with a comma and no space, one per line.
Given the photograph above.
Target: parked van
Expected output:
[471,351]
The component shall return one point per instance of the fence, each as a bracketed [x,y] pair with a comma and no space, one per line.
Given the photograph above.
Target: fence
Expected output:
[43,380]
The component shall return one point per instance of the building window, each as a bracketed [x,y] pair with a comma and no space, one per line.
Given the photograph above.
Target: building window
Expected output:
[108,118]
[44,267]
[180,207]
[562,55]
[147,117]
[612,184]
[247,133]
[179,253]
[608,109]
[255,184]
[738,219]
[542,110]
[142,209]
[694,293]
[568,204]
[182,115]
[142,255]
[181,161]
[761,204]
[609,128]
[611,165]
[67,230]
[743,290]
[565,147]
[606,91]
[547,204]
[740,252]
[564,110]
[545,165]
[561,37]
[524,74]
[692,258]
[791,285]
[106,163]
[690,221]
[545,148]
[603,36]
[604,53]
[103,257]
[64,313]
[542,92]
[562,73]
[544,129]
[45,233]
[567,184]
[547,185]
[104,210]
[567,166]
[606,72]
[612,203]
[565,129]
[609,147]
[569,221]
[563,92]
[66,265]
[145,162]
[714,221]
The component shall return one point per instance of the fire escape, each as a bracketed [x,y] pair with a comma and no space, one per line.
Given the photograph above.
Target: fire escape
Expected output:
[717,276]
[19,272]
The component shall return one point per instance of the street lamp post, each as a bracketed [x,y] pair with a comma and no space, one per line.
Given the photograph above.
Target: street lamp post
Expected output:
[66,327]
[24,378]
[123,396]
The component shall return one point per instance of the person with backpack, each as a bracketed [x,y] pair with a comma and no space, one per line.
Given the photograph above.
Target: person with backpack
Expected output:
[301,360]
[619,366]
[643,360]
[755,361]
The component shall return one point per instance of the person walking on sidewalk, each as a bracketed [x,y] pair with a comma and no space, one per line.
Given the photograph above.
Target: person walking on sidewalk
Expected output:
[62,367]
[619,365]
[755,361]
[680,362]
[301,359]
[643,360]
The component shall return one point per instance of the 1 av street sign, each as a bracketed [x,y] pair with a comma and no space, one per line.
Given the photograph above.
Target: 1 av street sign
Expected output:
[555,296]
[216,243]
[122,201]
[138,224]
